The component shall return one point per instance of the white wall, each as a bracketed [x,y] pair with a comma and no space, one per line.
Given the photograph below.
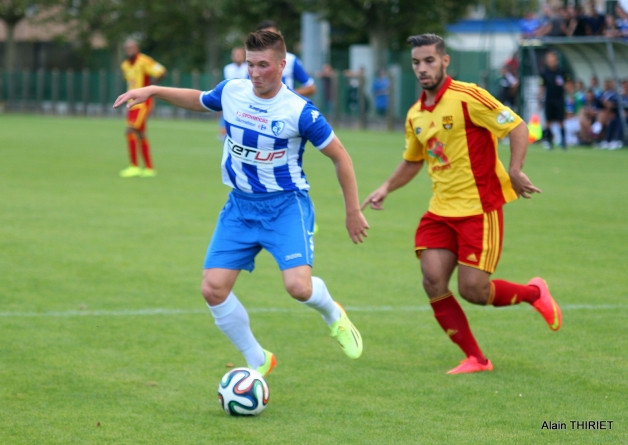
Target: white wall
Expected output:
[500,45]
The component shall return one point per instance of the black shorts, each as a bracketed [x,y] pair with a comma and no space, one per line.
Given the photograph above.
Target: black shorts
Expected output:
[554,111]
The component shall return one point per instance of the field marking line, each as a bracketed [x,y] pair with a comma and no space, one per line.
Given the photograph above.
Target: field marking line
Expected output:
[261,310]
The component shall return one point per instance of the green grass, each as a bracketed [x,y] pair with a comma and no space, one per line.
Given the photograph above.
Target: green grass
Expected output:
[83,252]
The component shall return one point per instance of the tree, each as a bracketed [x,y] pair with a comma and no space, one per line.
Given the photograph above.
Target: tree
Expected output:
[189,34]
[388,21]
[245,15]
[12,12]
[508,8]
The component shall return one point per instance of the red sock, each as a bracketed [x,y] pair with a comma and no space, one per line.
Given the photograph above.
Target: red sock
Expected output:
[146,153]
[505,293]
[132,148]
[452,319]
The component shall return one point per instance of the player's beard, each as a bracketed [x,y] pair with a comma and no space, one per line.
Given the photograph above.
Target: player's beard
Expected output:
[438,79]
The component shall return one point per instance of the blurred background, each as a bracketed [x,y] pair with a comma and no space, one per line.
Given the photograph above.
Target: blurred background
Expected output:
[63,56]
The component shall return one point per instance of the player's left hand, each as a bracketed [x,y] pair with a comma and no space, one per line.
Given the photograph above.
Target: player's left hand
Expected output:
[135,97]
[522,185]
[357,226]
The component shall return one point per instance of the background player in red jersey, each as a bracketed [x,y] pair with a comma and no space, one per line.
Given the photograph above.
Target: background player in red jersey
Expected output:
[454,129]
[138,69]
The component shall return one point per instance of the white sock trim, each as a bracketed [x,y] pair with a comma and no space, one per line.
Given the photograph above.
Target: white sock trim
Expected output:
[322,302]
[226,307]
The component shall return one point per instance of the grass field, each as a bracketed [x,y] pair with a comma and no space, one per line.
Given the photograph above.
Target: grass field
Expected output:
[105,339]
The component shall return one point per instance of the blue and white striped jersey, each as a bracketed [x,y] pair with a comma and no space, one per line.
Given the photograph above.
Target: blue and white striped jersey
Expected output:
[263,148]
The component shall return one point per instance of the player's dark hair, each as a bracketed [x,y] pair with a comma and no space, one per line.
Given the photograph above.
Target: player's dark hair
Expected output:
[266,24]
[263,40]
[428,40]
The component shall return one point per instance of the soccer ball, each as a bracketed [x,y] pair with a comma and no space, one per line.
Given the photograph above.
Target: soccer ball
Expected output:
[243,392]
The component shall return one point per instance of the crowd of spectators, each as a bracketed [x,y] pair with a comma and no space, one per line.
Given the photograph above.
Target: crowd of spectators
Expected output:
[575,21]
[592,115]
[598,113]
[575,113]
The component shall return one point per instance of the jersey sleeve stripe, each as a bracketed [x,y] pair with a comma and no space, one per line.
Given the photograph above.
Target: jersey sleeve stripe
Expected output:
[477,92]
[326,142]
[476,95]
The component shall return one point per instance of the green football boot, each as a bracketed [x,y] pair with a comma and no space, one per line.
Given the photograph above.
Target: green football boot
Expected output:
[347,335]
[268,365]
[131,172]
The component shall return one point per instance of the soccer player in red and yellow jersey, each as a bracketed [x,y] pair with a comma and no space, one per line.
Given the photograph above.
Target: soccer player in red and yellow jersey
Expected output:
[138,69]
[453,129]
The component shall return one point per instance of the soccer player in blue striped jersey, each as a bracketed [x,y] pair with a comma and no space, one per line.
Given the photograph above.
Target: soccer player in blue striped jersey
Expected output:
[268,208]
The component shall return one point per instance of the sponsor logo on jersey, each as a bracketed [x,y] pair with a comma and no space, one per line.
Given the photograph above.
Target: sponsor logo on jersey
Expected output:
[436,149]
[277,127]
[248,116]
[505,117]
[259,110]
[315,115]
[418,130]
[448,122]
[242,121]
[255,156]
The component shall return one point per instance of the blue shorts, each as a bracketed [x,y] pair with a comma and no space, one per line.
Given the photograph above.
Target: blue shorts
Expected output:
[280,222]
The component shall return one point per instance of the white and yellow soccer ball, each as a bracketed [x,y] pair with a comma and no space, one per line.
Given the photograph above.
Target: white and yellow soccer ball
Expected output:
[243,392]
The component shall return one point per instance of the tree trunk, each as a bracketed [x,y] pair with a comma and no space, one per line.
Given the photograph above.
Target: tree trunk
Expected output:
[9,54]
[378,39]
[212,51]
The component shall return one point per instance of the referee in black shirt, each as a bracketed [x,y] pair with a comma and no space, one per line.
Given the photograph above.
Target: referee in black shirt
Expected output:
[552,92]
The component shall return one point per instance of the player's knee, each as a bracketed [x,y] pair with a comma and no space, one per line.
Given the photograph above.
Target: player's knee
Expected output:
[300,289]
[213,293]
[434,287]
[476,293]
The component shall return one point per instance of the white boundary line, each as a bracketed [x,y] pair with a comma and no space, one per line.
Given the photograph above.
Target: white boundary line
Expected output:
[165,311]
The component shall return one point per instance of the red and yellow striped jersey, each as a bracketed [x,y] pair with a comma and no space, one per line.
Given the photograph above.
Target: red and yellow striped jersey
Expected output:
[457,138]
[139,71]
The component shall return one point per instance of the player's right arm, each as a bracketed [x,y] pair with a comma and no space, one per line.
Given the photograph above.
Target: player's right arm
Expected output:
[413,159]
[179,97]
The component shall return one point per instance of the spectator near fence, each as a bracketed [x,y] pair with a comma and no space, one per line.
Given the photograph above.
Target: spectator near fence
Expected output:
[595,20]
[571,124]
[328,77]
[621,22]
[355,93]
[529,25]
[576,22]
[555,26]
[508,87]
[381,91]
[138,70]
[609,117]
[587,118]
